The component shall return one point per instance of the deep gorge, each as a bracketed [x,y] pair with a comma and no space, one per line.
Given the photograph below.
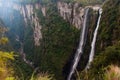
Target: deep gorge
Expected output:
[46,35]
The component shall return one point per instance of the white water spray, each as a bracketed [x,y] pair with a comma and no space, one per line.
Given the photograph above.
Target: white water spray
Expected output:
[80,48]
[93,42]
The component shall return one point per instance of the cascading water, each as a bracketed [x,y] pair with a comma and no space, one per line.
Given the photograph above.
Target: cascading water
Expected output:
[80,48]
[93,41]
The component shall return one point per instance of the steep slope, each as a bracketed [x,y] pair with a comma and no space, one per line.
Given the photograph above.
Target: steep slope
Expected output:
[108,41]
[59,40]
[46,31]
[48,52]
[110,25]
[74,12]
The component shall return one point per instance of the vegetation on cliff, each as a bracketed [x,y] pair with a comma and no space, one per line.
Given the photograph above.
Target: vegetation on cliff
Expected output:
[59,42]
[108,43]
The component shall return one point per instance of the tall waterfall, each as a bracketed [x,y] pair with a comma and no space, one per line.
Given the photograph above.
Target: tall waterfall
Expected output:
[80,48]
[93,41]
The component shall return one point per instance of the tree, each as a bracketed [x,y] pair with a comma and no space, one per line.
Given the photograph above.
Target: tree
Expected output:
[5,69]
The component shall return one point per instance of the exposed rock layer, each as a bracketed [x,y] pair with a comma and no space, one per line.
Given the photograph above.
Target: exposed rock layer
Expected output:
[73,13]
[30,16]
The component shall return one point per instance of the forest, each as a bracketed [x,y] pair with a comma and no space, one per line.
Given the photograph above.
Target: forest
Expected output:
[24,22]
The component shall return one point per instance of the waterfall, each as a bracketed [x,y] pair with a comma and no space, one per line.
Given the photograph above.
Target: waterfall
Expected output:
[93,41]
[80,48]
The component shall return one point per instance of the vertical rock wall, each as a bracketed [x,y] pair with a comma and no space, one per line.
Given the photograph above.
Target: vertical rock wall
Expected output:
[30,16]
[72,13]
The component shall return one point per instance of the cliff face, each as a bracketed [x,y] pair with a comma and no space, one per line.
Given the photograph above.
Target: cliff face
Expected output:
[29,15]
[74,13]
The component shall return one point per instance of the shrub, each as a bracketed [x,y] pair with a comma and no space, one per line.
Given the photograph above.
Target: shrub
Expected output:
[112,73]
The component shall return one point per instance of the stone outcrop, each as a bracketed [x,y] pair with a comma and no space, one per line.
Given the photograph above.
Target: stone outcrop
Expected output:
[30,16]
[73,12]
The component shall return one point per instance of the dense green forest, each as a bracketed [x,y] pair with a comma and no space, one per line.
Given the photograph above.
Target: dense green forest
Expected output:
[59,43]
[107,45]
[59,40]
